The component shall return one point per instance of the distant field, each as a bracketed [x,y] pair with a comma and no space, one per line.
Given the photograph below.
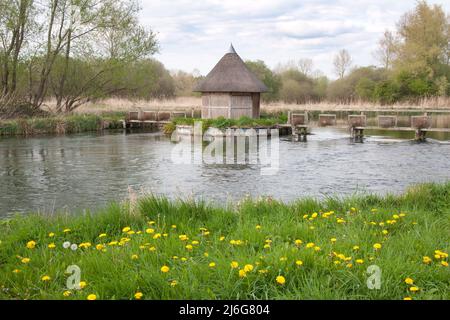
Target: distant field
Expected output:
[183,103]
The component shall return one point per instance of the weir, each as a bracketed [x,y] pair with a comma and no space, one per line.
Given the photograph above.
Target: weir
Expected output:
[298,124]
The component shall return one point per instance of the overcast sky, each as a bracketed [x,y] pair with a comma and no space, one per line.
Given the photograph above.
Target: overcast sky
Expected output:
[196,34]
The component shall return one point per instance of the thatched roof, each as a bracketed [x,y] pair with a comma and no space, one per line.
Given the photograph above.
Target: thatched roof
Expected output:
[231,75]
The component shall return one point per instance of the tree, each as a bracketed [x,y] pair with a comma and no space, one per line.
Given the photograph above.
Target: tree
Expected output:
[15,22]
[342,62]
[424,39]
[305,66]
[79,28]
[385,54]
[270,79]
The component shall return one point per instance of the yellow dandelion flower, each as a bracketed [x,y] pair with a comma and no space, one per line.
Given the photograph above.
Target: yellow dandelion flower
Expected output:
[426,260]
[150,231]
[221,238]
[298,242]
[31,244]
[16,271]
[299,263]
[333,240]
[51,246]
[359,261]
[82,284]
[355,248]
[195,242]
[258,227]
[407,298]
[138,295]
[409,281]
[25,260]
[67,293]
[102,235]
[385,232]
[242,273]
[67,230]
[100,247]
[414,289]
[189,247]
[310,245]
[92,297]
[165,269]
[134,257]
[51,234]
[173,283]
[150,223]
[377,246]
[183,237]
[281,280]
[173,226]
[444,263]
[206,254]
[234,264]
[248,268]
[126,229]
[316,248]
[46,278]
[212,264]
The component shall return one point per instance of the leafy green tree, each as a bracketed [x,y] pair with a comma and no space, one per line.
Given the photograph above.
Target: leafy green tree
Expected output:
[270,79]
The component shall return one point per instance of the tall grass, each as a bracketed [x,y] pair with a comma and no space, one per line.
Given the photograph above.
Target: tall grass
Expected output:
[188,103]
[261,233]
[59,125]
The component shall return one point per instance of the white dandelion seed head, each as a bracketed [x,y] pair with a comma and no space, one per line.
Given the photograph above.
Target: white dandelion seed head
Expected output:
[66,245]
[74,247]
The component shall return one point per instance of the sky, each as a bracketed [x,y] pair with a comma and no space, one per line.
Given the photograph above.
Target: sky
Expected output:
[194,35]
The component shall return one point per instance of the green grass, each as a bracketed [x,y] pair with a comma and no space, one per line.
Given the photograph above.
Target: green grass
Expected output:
[422,224]
[223,123]
[61,124]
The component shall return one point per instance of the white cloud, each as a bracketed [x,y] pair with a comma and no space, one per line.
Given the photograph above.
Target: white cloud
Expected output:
[195,34]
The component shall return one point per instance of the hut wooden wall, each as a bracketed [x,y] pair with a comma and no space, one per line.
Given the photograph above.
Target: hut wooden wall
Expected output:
[228,105]
[256,105]
[215,105]
[241,105]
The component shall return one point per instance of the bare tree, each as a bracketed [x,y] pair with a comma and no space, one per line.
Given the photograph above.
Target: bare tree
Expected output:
[305,66]
[385,54]
[342,62]
[14,24]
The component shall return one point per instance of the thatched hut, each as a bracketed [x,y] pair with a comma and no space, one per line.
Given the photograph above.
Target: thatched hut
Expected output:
[231,90]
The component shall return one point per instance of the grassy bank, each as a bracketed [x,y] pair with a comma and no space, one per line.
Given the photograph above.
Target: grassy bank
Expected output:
[60,125]
[251,250]
[223,123]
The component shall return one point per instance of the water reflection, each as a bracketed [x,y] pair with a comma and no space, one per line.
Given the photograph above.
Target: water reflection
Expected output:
[87,171]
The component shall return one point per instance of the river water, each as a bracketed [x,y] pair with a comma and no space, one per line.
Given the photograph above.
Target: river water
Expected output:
[72,173]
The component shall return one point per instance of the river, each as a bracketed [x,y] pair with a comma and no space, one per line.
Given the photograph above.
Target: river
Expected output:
[86,171]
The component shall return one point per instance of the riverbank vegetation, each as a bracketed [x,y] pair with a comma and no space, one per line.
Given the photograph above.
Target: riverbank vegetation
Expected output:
[154,248]
[76,53]
[223,123]
[68,124]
